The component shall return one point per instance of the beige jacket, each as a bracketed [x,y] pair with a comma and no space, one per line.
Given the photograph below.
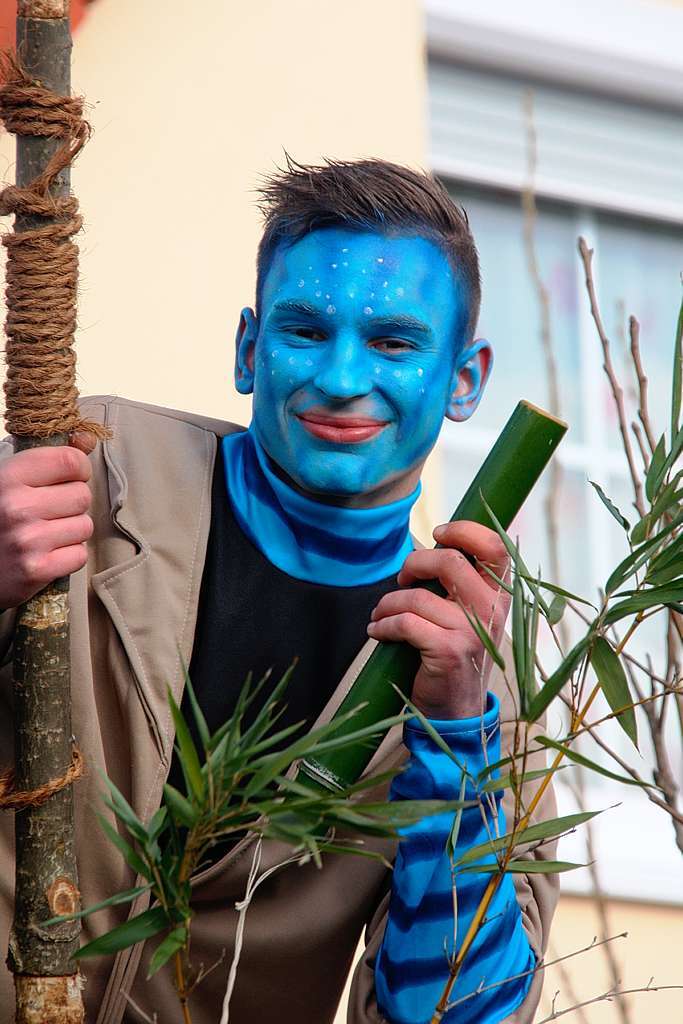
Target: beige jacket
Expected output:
[132,608]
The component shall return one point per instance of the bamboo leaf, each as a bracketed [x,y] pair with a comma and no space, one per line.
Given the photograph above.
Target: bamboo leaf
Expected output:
[119,897]
[667,594]
[133,859]
[670,554]
[556,681]
[671,460]
[485,638]
[655,467]
[614,685]
[142,927]
[452,840]
[513,552]
[524,867]
[641,529]
[532,834]
[667,574]
[554,589]
[557,609]
[200,720]
[180,807]
[435,736]
[123,810]
[611,507]
[174,941]
[677,376]
[519,641]
[157,823]
[507,781]
[585,762]
[530,678]
[640,555]
[189,759]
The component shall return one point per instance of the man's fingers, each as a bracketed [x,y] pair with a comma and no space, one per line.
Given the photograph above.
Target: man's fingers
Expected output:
[449,566]
[418,602]
[62,533]
[63,562]
[60,500]
[408,628]
[40,467]
[477,540]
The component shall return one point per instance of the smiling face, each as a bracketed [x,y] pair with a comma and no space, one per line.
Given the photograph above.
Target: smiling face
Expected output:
[355,360]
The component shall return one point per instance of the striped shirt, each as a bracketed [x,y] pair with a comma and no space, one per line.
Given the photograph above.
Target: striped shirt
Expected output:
[412,966]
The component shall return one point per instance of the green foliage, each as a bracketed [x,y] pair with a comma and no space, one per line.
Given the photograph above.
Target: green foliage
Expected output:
[532,834]
[242,781]
[611,507]
[612,679]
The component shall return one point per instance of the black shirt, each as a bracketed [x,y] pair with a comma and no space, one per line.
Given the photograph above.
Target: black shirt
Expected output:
[253,617]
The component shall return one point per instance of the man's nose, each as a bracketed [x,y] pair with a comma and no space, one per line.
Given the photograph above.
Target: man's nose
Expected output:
[345,372]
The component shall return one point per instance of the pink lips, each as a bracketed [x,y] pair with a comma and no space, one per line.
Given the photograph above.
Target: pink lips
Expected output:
[341,429]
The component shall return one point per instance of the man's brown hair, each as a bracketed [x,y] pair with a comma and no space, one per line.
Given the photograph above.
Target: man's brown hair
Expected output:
[370,195]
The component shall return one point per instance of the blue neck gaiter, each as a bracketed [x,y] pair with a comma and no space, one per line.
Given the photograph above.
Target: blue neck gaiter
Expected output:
[307,539]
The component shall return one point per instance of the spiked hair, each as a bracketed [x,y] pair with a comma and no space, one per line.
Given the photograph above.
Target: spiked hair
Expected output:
[366,195]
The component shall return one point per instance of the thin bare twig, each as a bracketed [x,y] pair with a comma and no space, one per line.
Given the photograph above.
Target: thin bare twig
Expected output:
[638,434]
[541,965]
[643,411]
[608,996]
[148,1020]
[617,392]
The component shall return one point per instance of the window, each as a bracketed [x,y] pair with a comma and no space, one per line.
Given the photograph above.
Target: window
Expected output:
[610,170]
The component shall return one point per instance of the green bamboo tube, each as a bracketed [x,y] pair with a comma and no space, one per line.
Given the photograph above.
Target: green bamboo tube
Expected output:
[508,474]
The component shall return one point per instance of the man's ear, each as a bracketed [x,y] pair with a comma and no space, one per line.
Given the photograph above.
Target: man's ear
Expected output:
[245,344]
[472,369]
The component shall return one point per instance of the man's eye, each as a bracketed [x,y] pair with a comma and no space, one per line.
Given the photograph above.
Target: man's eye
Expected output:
[391,345]
[309,333]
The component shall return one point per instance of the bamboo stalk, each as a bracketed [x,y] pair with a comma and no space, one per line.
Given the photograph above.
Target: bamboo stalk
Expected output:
[505,480]
[47,983]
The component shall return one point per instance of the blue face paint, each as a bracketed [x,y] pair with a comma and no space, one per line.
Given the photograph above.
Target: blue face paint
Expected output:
[354,361]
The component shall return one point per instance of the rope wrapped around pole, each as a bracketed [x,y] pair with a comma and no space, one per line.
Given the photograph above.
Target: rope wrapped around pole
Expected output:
[41,409]
[42,266]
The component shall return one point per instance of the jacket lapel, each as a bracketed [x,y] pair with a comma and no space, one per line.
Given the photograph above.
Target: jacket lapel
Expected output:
[159,471]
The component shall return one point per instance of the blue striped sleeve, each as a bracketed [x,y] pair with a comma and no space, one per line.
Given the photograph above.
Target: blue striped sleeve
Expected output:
[412,966]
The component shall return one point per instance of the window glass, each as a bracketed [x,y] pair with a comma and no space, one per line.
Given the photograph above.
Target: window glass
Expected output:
[639,272]
[510,317]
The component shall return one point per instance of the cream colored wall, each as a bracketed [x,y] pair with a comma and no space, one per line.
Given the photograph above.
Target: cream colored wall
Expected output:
[652,949]
[188,109]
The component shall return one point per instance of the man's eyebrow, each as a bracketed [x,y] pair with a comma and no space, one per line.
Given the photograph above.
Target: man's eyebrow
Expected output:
[400,321]
[296,306]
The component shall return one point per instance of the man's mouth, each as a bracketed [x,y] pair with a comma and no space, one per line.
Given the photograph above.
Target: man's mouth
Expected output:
[341,429]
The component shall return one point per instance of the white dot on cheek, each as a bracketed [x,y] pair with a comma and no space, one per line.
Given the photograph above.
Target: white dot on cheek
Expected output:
[368,310]
[331,310]
[301,283]
[420,371]
[318,294]
[274,353]
[291,360]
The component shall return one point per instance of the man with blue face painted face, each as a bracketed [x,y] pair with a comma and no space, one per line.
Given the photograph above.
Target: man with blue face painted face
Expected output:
[360,343]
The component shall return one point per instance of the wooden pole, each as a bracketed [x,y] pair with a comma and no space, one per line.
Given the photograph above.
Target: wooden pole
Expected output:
[47,983]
